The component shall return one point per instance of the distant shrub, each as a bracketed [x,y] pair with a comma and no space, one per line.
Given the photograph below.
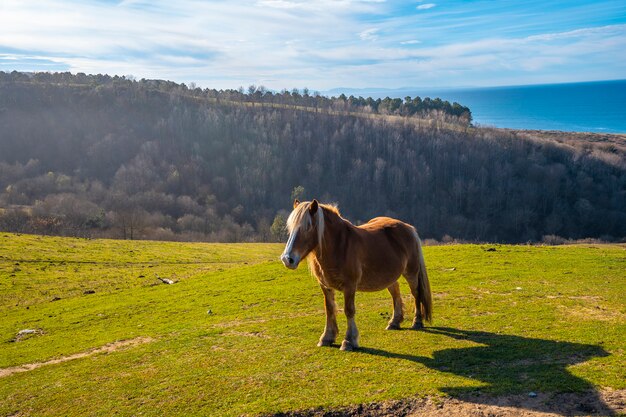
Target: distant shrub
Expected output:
[553,240]
[447,239]
[162,233]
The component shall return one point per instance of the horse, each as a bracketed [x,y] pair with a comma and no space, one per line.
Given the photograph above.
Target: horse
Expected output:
[348,258]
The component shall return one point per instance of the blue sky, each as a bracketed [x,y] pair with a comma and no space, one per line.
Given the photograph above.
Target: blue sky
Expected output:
[320,44]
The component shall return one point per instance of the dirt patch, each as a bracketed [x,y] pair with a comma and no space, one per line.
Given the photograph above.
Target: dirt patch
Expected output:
[597,312]
[110,347]
[236,323]
[247,334]
[603,403]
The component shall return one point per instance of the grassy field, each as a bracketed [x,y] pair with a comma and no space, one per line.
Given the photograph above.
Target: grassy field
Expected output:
[236,334]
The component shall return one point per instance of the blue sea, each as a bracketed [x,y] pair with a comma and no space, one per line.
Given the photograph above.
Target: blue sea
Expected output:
[598,106]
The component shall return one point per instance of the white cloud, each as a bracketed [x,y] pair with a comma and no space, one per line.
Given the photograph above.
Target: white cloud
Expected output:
[284,43]
[602,30]
[320,5]
[369,34]
[426,6]
[280,4]
[490,61]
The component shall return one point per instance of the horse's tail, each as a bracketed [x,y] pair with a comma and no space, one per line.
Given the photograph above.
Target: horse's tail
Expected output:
[425,297]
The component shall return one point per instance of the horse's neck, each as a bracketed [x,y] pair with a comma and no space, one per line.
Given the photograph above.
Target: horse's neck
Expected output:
[335,233]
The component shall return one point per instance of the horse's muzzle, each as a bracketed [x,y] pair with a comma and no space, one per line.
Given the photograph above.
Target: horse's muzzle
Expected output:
[290,262]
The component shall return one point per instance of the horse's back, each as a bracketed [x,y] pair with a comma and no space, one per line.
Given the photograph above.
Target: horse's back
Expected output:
[389,247]
[378,222]
[390,228]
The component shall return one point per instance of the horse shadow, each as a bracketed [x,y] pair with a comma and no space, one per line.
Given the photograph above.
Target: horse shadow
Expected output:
[527,370]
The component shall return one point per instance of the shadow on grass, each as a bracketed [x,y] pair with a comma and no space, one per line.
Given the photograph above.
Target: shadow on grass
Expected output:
[514,366]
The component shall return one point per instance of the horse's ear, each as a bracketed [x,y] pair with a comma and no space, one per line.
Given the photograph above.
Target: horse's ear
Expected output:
[295,203]
[313,207]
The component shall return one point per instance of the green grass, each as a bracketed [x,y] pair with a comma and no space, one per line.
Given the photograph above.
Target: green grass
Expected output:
[513,320]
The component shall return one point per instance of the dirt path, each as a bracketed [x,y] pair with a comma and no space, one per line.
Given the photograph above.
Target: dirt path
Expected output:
[110,347]
[603,403]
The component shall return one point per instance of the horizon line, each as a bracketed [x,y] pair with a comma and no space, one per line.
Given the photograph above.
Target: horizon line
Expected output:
[331,90]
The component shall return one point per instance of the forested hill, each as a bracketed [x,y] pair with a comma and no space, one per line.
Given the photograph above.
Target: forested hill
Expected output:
[108,156]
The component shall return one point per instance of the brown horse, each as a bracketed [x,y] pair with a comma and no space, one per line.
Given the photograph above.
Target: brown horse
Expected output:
[349,258]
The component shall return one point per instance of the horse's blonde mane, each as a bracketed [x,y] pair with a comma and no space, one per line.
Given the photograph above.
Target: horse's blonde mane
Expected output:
[300,218]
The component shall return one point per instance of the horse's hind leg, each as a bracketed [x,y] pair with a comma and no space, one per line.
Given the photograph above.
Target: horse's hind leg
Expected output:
[394,323]
[412,279]
[331,329]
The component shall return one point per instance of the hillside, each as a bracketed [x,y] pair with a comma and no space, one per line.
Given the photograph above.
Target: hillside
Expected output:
[236,334]
[107,156]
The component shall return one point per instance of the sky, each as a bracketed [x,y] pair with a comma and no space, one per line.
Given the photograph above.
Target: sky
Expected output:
[320,44]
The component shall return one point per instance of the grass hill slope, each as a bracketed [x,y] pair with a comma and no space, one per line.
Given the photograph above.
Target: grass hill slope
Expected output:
[236,333]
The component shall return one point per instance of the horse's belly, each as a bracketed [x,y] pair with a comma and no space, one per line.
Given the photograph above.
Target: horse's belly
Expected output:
[375,276]
[377,281]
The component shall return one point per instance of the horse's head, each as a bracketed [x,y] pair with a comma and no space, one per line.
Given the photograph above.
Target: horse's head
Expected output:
[306,228]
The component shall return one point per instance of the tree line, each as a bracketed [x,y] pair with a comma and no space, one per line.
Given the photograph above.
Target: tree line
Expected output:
[257,94]
[94,155]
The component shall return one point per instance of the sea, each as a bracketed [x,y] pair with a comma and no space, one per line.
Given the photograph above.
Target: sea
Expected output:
[598,106]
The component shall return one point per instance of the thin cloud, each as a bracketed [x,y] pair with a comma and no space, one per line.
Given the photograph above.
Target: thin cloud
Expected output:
[610,29]
[369,34]
[280,4]
[319,43]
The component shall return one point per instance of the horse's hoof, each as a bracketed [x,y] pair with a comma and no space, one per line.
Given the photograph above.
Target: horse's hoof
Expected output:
[347,346]
[417,326]
[393,326]
[323,343]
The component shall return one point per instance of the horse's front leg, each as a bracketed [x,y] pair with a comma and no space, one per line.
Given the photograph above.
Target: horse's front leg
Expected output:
[330,331]
[351,341]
